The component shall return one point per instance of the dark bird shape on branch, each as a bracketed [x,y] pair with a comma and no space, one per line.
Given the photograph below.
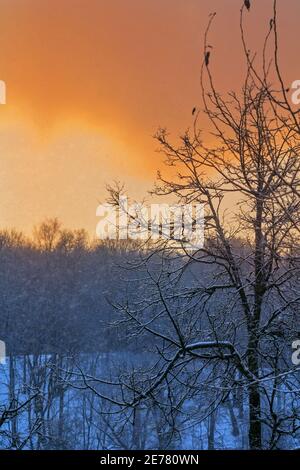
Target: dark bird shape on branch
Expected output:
[271,23]
[194,110]
[207,56]
[247,4]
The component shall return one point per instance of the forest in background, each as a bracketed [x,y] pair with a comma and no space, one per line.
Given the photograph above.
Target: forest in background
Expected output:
[134,345]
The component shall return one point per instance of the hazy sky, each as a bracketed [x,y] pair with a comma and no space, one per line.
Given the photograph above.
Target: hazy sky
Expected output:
[88,83]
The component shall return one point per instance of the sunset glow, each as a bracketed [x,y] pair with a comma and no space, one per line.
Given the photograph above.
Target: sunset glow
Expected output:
[88,83]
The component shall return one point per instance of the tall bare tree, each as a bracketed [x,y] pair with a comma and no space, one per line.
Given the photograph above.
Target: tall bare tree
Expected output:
[241,319]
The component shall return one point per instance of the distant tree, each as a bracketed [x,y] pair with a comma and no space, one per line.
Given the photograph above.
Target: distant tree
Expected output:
[47,234]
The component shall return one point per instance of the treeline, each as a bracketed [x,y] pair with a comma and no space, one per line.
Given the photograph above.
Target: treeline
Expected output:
[56,289]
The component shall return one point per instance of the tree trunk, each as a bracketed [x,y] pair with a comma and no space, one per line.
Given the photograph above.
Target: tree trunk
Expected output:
[12,400]
[255,432]
[211,430]
[255,441]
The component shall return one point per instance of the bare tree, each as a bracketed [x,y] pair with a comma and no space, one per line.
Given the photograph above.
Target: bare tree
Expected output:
[236,310]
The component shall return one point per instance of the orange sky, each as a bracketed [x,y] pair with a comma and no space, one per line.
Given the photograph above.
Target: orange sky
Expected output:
[88,83]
